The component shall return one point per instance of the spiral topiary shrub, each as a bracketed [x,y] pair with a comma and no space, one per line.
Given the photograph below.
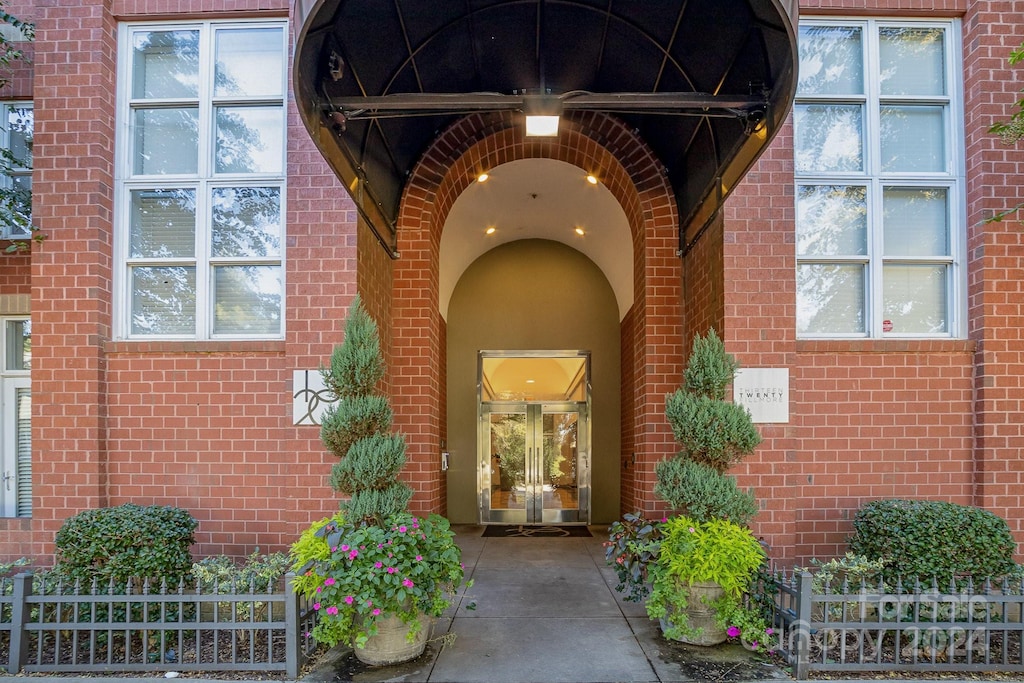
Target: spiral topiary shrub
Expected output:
[357,428]
[921,539]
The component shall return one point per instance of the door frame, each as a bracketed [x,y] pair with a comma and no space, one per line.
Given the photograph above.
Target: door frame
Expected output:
[584,443]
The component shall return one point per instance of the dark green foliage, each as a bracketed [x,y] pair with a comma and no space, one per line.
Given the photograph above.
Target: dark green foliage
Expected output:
[703,492]
[352,419]
[919,539]
[371,463]
[126,541]
[711,431]
[356,364]
[372,504]
[632,547]
[710,369]
[357,430]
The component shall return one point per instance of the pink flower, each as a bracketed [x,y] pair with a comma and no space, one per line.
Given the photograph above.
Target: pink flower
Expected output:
[344,548]
[378,565]
[402,529]
[316,606]
[407,583]
[348,599]
[334,549]
[376,612]
[419,558]
[664,519]
[692,530]
[369,603]
[391,570]
[332,610]
[732,631]
[769,631]
[329,581]
[353,555]
[415,525]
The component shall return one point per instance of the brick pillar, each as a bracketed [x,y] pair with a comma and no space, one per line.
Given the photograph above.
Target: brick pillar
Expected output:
[994,268]
[75,71]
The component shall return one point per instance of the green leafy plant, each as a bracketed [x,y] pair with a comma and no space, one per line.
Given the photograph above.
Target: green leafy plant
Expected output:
[697,552]
[746,625]
[631,548]
[128,541]
[373,559]
[922,539]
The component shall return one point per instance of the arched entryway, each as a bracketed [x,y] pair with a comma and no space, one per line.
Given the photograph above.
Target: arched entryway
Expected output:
[649,329]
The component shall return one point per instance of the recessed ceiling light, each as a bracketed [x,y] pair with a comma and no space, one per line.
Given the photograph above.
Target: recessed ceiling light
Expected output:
[580,231]
[482,178]
[490,230]
[529,381]
[592,179]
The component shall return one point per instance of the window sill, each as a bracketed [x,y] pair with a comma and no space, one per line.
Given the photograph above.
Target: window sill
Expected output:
[250,346]
[885,346]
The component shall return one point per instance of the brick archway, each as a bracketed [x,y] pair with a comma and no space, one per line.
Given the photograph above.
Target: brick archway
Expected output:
[651,331]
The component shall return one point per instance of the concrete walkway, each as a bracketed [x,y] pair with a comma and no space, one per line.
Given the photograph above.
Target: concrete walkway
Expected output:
[545,609]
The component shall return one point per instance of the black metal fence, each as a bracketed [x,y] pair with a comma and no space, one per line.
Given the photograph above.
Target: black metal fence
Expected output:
[46,626]
[961,626]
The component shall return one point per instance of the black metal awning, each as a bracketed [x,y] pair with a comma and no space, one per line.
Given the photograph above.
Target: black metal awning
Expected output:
[706,83]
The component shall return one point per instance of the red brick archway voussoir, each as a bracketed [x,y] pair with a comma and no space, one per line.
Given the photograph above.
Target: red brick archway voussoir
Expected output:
[596,143]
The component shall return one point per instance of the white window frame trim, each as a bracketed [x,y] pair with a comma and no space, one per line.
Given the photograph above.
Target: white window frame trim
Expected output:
[203,179]
[875,181]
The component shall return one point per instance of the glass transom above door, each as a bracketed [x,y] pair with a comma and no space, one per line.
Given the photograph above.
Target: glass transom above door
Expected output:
[534,444]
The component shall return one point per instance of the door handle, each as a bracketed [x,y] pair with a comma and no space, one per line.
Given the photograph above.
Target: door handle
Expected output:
[7,480]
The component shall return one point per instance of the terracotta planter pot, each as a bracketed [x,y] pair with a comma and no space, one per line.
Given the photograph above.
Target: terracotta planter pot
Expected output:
[700,615]
[390,645]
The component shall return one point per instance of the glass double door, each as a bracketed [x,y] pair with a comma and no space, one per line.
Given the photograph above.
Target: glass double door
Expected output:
[534,463]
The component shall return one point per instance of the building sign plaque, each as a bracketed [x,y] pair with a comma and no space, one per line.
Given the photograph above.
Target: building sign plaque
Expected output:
[764,392]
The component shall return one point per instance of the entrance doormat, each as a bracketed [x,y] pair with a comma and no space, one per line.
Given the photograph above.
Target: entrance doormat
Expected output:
[520,531]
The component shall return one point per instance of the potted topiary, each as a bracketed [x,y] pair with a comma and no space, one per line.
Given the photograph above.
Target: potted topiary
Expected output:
[378,574]
[699,563]
[707,557]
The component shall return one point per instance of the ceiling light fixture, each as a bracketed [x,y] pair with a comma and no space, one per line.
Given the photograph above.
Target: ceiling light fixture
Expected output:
[592,179]
[542,114]
[490,230]
[482,178]
[580,231]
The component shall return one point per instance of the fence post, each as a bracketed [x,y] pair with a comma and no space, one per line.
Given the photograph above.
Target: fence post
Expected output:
[291,627]
[803,625]
[19,617]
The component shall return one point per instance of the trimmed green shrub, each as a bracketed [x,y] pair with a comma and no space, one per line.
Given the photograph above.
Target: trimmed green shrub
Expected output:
[703,492]
[919,539]
[356,430]
[126,541]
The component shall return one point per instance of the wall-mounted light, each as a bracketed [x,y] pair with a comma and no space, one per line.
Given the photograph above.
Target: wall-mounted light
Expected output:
[482,178]
[542,114]
[592,179]
[580,231]
[490,230]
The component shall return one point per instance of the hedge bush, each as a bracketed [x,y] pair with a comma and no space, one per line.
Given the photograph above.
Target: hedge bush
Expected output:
[126,541]
[925,538]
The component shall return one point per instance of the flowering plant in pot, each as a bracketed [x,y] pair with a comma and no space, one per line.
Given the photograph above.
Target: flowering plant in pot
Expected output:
[376,573]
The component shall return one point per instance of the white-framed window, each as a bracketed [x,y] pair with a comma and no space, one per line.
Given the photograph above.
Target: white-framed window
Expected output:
[878,161]
[16,126]
[16,418]
[201,181]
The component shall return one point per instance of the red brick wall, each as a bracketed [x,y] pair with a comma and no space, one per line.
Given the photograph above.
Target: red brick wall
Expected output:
[205,426]
[630,427]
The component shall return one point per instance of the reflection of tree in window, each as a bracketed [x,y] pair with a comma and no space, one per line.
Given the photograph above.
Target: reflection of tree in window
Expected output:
[16,166]
[246,221]
[830,60]
[164,300]
[831,298]
[248,299]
